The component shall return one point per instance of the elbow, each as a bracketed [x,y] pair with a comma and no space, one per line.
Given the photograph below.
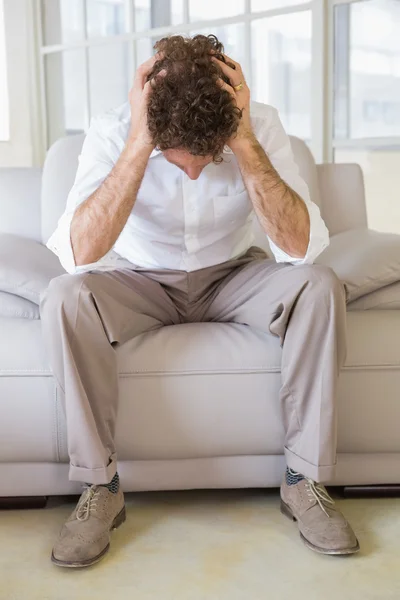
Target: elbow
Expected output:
[303,234]
[83,259]
[300,248]
[83,256]
[83,251]
[303,245]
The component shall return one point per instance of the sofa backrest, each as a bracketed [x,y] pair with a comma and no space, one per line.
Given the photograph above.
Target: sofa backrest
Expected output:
[59,172]
[20,202]
[62,162]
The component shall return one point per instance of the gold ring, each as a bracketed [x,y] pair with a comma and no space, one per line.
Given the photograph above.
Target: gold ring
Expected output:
[239,86]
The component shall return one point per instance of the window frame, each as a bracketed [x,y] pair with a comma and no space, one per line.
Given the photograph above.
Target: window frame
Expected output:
[334,143]
[23,148]
[28,144]
[318,111]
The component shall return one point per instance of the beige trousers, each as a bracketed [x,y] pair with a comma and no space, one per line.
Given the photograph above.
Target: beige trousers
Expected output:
[84,316]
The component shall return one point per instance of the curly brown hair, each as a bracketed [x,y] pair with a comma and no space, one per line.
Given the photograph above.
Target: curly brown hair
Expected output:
[187,108]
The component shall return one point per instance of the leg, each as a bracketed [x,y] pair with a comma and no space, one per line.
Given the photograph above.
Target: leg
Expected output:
[83,316]
[305,307]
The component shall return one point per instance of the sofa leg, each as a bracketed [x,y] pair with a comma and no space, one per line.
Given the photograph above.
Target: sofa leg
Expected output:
[371,491]
[19,502]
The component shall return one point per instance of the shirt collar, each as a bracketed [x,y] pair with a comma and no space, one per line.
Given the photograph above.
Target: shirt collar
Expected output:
[157,151]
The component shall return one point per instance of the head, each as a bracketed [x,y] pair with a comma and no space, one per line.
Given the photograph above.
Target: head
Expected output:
[190,117]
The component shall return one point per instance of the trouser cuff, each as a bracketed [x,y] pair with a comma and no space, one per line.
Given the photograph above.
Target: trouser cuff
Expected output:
[318,473]
[98,476]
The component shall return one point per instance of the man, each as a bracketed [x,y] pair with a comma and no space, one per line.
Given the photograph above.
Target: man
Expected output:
[167,185]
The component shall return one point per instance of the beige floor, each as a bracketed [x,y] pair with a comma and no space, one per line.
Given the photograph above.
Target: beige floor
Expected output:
[204,546]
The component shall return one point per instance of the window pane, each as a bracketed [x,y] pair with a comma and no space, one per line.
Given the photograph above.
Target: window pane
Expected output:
[367,69]
[232,36]
[107,17]
[209,9]
[144,50]
[382,182]
[259,5]
[142,15]
[281,50]
[176,12]
[157,13]
[62,21]
[4,106]
[109,68]
[65,93]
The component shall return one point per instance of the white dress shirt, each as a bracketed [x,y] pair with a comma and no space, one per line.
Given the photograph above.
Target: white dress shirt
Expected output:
[177,223]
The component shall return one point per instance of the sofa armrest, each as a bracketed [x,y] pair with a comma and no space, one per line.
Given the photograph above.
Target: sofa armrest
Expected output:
[364,260]
[26,267]
[342,197]
[20,202]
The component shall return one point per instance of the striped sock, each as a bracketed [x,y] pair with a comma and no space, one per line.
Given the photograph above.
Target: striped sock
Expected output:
[292,477]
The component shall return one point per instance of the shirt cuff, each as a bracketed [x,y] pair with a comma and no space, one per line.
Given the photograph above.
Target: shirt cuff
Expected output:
[60,243]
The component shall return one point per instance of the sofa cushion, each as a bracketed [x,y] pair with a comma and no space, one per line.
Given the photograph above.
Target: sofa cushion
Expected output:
[17,307]
[387,298]
[364,260]
[26,267]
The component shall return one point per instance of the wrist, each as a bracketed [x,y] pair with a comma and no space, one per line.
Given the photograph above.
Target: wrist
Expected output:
[136,145]
[243,143]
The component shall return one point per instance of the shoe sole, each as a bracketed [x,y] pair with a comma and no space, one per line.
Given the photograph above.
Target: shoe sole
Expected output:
[119,519]
[285,510]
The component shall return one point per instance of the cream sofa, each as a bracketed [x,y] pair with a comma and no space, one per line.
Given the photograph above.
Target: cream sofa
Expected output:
[199,402]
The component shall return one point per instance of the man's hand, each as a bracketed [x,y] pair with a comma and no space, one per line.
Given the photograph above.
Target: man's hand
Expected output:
[138,98]
[241,97]
[99,220]
[281,212]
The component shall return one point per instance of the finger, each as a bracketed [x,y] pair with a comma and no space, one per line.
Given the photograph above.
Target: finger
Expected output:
[237,65]
[234,77]
[227,87]
[150,62]
[147,88]
[229,59]
[145,68]
[161,74]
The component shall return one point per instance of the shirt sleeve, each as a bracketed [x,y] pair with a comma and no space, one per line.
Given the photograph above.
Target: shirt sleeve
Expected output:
[277,146]
[95,163]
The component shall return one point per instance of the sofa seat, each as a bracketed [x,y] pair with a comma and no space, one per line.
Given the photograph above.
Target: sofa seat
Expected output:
[200,391]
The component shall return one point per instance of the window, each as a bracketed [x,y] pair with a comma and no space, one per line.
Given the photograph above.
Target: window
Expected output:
[282,70]
[367,101]
[91,48]
[4,104]
[368,69]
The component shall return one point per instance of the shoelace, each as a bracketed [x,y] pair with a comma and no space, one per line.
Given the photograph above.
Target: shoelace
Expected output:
[87,502]
[318,491]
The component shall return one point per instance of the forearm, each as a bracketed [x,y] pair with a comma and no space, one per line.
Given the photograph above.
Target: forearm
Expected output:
[98,222]
[281,211]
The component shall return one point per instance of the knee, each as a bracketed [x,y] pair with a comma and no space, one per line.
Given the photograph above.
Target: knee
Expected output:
[324,281]
[61,290]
